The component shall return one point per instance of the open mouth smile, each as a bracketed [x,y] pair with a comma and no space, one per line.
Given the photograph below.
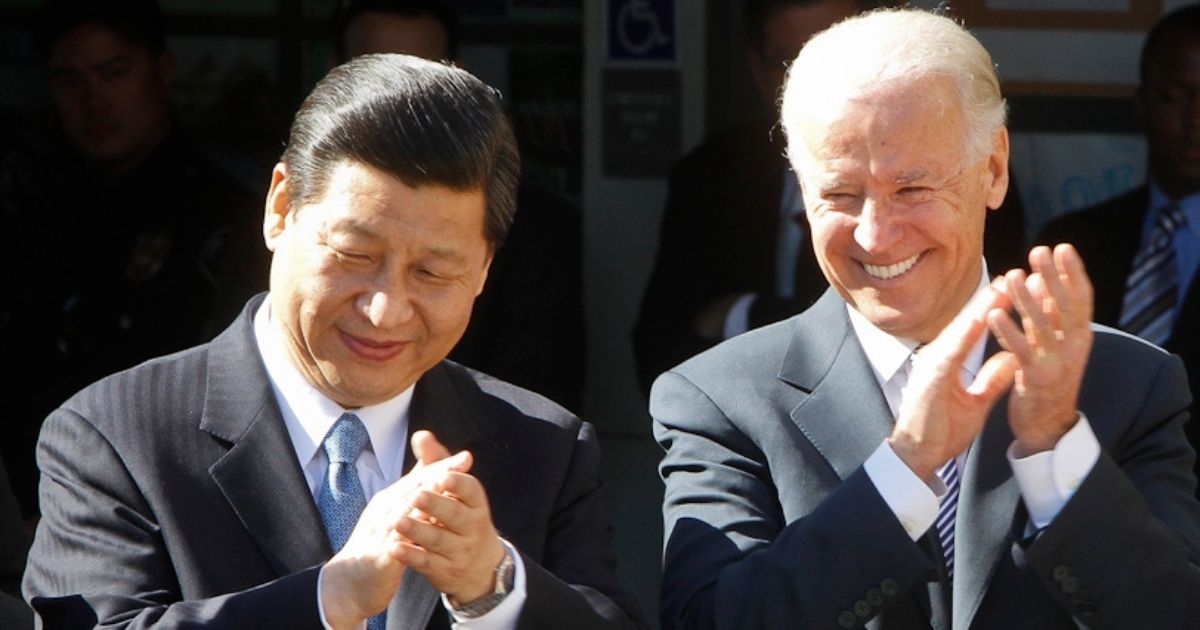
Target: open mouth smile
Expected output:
[887,272]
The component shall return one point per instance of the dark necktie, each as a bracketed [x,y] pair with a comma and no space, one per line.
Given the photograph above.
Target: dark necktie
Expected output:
[1152,288]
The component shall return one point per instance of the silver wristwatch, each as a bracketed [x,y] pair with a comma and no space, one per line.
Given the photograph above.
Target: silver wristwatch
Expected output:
[506,573]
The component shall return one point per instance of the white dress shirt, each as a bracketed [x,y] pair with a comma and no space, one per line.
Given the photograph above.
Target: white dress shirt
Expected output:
[1046,480]
[308,415]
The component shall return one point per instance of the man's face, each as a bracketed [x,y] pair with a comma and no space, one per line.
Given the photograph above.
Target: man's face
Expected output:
[381,32]
[111,95]
[785,32]
[896,215]
[1169,107]
[373,285]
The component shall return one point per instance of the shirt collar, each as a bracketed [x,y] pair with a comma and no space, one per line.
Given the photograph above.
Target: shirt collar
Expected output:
[887,353]
[1159,200]
[309,414]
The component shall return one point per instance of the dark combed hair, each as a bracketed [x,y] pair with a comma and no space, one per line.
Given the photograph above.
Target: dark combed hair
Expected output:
[420,121]
[441,10]
[139,21]
[1183,20]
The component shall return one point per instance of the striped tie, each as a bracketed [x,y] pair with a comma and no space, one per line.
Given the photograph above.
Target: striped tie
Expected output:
[945,519]
[1153,287]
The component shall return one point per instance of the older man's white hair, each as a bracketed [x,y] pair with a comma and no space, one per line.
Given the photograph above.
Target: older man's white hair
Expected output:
[869,53]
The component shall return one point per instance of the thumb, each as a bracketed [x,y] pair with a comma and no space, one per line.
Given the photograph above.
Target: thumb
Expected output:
[994,378]
[426,448]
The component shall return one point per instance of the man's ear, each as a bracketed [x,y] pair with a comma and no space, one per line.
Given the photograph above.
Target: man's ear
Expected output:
[277,206]
[165,67]
[487,265]
[998,167]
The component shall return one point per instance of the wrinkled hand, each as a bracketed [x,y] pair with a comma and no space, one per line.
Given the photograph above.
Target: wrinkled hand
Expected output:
[451,538]
[1051,345]
[939,417]
[363,576]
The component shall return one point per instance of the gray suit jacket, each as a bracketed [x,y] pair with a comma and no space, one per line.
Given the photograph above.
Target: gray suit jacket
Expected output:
[171,497]
[771,521]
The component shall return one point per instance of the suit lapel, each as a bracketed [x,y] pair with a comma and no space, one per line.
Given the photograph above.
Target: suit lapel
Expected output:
[845,415]
[987,507]
[443,407]
[259,475]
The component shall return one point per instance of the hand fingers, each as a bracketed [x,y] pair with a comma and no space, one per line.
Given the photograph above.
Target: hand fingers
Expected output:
[994,378]
[960,336]
[1010,336]
[1037,324]
[1055,297]
[442,510]
[398,496]
[1075,279]
[426,447]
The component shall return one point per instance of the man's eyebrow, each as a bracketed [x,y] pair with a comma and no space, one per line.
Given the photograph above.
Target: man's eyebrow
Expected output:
[445,253]
[911,177]
[832,183]
[103,64]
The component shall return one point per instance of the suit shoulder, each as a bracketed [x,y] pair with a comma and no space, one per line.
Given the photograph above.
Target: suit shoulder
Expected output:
[750,355]
[1096,219]
[158,390]
[507,400]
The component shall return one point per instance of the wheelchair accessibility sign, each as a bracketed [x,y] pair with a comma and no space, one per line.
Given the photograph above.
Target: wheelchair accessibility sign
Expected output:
[641,30]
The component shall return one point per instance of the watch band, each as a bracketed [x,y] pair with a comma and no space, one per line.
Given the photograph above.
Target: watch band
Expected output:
[506,573]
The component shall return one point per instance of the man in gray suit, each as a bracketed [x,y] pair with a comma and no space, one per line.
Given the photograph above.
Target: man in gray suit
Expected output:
[225,486]
[876,460]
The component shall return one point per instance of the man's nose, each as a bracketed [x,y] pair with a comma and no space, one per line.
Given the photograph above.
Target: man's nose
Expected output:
[388,306]
[877,228]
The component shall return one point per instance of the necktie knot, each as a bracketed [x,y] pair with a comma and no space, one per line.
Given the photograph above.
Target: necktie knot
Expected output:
[346,440]
[1171,218]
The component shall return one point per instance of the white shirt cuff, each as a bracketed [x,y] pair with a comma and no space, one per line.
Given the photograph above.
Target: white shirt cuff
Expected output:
[914,502]
[737,321]
[505,614]
[1048,480]
[362,625]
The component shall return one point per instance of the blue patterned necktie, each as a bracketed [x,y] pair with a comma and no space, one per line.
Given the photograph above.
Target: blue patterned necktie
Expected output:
[1152,288]
[342,500]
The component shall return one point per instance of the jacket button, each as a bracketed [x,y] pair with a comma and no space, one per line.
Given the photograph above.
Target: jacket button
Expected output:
[862,609]
[847,619]
[875,597]
[889,587]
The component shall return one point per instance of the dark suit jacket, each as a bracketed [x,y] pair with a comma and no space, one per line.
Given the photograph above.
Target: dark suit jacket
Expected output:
[1108,236]
[172,496]
[14,544]
[771,522]
[718,237]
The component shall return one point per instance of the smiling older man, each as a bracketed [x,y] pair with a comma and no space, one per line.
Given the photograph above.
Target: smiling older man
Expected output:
[875,460]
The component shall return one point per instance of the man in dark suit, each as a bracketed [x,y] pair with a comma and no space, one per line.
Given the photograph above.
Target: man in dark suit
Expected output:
[262,479]
[1111,234]
[734,252]
[876,461]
